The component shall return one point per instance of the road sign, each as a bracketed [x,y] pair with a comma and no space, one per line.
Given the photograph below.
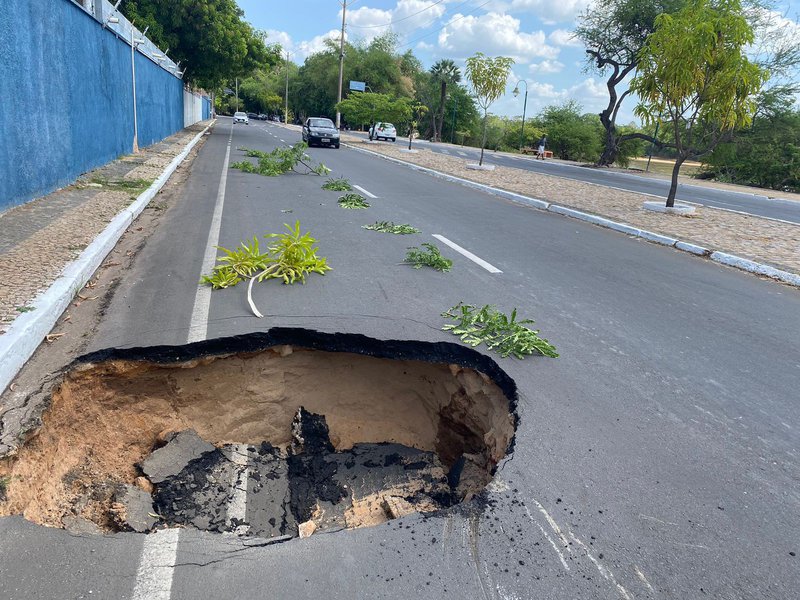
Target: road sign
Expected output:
[358,86]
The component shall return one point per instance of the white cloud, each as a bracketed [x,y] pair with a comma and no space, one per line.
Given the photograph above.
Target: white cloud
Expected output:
[546,66]
[562,37]
[407,16]
[550,11]
[494,34]
[299,51]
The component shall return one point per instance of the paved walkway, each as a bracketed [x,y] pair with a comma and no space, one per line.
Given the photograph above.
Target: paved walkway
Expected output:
[38,239]
[763,240]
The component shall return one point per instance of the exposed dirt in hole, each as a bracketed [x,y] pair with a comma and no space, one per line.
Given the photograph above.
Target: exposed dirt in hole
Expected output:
[447,419]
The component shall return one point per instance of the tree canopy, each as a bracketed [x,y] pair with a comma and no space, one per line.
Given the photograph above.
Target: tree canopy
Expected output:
[488,77]
[693,74]
[209,37]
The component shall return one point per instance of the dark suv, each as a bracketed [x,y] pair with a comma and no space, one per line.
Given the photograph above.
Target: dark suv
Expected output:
[322,131]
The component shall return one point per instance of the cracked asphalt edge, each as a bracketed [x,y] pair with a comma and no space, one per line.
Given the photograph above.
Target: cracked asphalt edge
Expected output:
[28,330]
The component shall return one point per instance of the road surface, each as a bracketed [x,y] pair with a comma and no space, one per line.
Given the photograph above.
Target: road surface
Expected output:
[656,458]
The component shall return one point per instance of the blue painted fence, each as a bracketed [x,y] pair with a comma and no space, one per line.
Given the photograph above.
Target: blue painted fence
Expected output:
[66,98]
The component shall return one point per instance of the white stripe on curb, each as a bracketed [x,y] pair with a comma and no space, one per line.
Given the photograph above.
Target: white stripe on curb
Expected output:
[720,257]
[464,252]
[29,329]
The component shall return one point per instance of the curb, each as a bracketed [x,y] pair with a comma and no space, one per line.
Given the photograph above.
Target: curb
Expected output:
[724,258]
[28,330]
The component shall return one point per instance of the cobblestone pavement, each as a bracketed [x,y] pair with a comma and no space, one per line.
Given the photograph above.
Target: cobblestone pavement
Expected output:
[772,242]
[39,238]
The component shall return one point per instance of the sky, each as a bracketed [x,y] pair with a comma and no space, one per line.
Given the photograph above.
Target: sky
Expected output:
[537,34]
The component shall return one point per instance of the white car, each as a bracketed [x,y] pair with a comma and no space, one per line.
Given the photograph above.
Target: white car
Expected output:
[241,117]
[380,130]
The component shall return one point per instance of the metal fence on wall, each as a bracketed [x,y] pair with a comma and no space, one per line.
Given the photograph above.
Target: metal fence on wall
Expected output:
[105,13]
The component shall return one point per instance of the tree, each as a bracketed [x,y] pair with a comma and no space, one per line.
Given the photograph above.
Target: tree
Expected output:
[209,37]
[488,77]
[416,111]
[766,154]
[614,33]
[693,74]
[363,108]
[571,134]
[444,72]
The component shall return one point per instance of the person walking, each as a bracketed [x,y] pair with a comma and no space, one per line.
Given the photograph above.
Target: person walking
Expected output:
[541,146]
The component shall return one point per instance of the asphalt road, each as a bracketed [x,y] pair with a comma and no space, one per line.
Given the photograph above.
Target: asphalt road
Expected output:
[765,204]
[657,458]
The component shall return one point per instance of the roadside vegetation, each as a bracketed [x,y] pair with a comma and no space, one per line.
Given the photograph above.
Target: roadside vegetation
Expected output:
[390,227]
[281,160]
[291,257]
[504,334]
[353,201]
[339,184]
[428,256]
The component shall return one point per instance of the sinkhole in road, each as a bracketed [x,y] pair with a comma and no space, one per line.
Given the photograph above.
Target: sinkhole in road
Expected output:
[267,434]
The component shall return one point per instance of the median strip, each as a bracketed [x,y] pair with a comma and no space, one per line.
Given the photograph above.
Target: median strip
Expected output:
[723,229]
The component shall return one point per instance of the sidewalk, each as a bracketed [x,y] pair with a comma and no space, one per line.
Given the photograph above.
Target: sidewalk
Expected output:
[766,241]
[40,238]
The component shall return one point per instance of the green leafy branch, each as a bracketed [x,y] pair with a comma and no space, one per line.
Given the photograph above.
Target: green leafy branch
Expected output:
[430,257]
[499,332]
[281,160]
[337,184]
[291,258]
[353,201]
[390,227]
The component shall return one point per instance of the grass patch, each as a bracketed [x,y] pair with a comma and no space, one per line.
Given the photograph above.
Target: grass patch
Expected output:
[4,481]
[339,184]
[24,309]
[353,201]
[123,185]
[429,257]
[663,166]
[389,227]
[501,333]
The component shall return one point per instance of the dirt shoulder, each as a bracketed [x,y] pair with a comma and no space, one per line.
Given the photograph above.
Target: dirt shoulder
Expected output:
[772,242]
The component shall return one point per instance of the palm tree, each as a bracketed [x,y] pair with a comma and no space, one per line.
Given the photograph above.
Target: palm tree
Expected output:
[445,72]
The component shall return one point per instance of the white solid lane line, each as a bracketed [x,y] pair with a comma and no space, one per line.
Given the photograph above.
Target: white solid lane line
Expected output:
[365,192]
[154,575]
[160,549]
[468,254]
[237,506]
[198,326]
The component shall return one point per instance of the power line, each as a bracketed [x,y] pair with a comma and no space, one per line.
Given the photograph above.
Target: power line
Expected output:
[464,16]
[398,20]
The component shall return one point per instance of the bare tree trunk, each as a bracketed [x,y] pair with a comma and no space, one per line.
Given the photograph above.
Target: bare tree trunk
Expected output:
[483,139]
[673,188]
[442,100]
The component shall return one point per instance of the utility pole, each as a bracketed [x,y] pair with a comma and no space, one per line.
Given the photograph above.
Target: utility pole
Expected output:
[286,94]
[341,67]
[237,94]
[134,42]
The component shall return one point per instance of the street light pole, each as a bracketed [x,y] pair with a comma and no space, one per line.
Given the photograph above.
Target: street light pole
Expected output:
[237,94]
[286,94]
[133,80]
[341,67]
[524,108]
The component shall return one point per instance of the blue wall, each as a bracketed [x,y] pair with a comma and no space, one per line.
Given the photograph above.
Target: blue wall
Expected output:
[66,101]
